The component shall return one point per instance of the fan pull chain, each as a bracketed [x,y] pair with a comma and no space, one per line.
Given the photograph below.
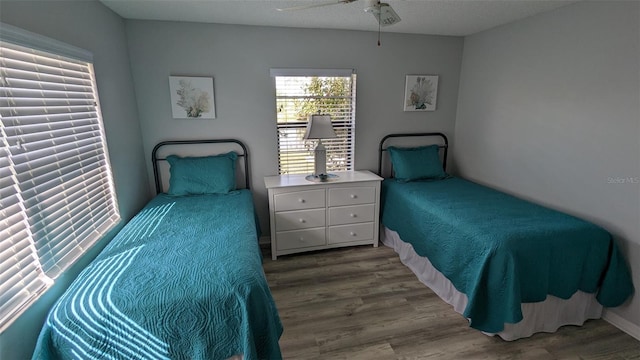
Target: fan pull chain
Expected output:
[378,28]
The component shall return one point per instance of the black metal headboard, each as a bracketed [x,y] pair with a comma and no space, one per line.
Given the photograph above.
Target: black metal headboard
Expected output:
[444,146]
[155,159]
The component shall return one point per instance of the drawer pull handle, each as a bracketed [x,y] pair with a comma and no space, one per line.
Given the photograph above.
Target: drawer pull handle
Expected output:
[353,196]
[302,221]
[352,233]
[301,201]
[353,215]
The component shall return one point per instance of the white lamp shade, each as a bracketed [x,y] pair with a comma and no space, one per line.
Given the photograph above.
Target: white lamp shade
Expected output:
[319,127]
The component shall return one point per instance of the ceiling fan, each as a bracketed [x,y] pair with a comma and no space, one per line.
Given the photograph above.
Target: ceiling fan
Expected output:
[383,12]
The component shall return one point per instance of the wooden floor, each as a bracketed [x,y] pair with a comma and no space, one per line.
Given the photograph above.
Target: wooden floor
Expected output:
[362,303]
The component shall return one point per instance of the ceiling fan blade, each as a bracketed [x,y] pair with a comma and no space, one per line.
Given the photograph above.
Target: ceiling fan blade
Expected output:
[316,5]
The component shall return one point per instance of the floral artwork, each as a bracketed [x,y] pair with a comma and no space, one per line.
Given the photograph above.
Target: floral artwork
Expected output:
[192,97]
[420,93]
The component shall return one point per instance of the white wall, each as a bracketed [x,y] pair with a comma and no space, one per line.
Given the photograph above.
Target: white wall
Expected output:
[549,109]
[91,26]
[239,59]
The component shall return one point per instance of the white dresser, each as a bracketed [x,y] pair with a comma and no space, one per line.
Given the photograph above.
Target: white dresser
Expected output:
[308,215]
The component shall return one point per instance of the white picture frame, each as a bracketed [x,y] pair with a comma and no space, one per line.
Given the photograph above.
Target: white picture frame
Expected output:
[420,92]
[192,97]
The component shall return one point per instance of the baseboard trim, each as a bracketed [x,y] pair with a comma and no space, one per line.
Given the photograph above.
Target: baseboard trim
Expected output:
[622,323]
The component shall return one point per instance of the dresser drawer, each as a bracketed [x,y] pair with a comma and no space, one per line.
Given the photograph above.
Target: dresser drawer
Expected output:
[300,239]
[299,200]
[351,214]
[301,219]
[348,233]
[352,196]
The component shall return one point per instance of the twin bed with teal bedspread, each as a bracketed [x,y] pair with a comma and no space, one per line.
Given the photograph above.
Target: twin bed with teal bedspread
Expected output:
[492,255]
[182,280]
[502,251]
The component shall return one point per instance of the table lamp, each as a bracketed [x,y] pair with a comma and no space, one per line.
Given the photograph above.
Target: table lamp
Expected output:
[319,127]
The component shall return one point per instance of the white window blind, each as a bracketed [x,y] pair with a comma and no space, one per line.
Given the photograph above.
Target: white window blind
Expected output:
[331,92]
[56,192]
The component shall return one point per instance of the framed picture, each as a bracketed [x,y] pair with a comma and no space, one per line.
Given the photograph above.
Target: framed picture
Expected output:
[192,97]
[420,92]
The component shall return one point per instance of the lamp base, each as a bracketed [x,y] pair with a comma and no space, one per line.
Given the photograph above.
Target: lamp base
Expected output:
[320,159]
[321,177]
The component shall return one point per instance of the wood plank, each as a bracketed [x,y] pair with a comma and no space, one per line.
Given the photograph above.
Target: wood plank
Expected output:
[363,303]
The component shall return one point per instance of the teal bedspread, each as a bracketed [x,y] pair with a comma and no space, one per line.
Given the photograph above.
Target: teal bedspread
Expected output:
[502,251]
[182,280]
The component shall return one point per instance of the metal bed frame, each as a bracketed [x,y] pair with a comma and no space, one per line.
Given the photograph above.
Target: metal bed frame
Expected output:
[155,159]
[444,146]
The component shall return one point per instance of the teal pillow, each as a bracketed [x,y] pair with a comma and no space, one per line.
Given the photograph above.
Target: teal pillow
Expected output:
[416,163]
[202,175]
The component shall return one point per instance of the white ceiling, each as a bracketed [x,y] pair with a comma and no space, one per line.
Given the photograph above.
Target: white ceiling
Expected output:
[438,17]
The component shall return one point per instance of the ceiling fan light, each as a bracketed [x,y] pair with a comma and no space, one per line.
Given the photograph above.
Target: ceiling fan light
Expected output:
[387,15]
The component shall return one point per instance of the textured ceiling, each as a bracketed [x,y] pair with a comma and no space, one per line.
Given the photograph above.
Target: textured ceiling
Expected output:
[438,17]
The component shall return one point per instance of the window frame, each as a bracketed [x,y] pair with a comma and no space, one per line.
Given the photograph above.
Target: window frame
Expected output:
[342,148]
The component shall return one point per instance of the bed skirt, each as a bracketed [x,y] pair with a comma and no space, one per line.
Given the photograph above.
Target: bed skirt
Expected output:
[545,316]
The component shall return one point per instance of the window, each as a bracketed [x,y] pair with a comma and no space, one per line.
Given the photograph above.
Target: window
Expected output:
[56,191]
[302,92]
